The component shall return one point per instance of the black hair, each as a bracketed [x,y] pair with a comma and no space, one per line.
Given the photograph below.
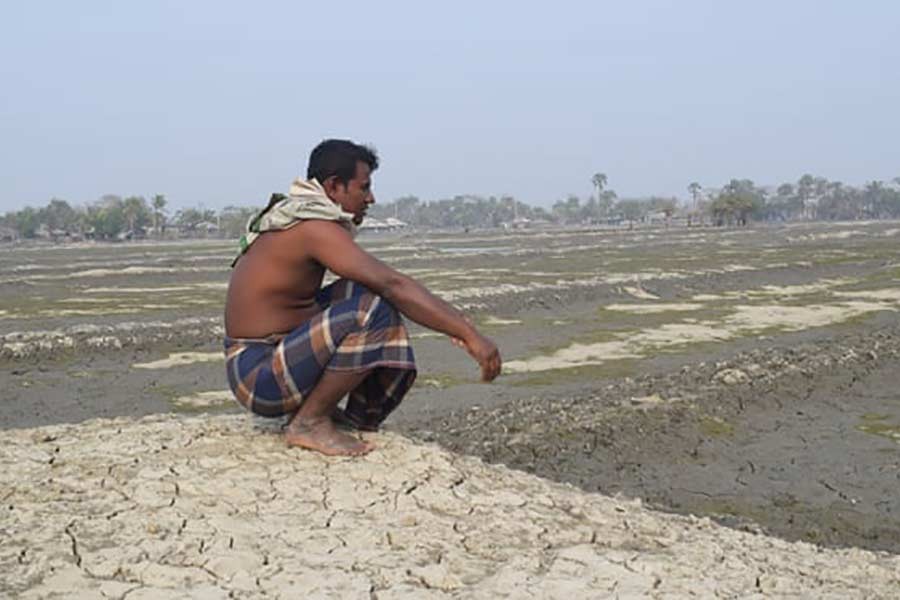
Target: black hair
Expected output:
[338,158]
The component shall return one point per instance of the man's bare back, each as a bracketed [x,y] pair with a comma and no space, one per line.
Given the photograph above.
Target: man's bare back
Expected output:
[273,287]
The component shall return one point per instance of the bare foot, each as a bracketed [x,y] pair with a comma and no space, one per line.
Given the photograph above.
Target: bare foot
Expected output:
[341,420]
[344,421]
[322,436]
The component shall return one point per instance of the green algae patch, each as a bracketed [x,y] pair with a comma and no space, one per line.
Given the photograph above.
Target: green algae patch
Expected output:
[877,424]
[167,392]
[440,381]
[732,507]
[201,402]
[496,323]
[594,336]
[189,401]
[188,409]
[814,524]
[613,369]
[715,427]
[640,316]
[875,417]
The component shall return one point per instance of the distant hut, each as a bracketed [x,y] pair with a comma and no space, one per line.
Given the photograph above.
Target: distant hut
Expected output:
[389,224]
[42,232]
[207,226]
[393,223]
[8,234]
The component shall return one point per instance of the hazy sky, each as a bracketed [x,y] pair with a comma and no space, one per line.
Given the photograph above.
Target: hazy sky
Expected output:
[220,103]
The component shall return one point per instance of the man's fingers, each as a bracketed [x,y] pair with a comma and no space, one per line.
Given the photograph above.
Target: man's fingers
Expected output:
[487,356]
[490,368]
[485,370]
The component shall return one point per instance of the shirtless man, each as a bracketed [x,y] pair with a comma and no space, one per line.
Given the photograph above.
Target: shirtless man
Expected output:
[296,348]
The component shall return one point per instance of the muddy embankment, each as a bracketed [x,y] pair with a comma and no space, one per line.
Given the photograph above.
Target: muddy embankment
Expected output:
[799,441]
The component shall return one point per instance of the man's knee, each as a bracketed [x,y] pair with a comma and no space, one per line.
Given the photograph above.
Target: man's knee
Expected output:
[377,311]
[372,309]
[347,289]
[361,291]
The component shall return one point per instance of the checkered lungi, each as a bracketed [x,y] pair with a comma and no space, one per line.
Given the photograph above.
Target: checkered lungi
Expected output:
[356,330]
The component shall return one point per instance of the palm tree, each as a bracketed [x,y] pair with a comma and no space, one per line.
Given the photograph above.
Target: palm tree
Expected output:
[133,207]
[872,195]
[805,187]
[599,180]
[694,189]
[159,206]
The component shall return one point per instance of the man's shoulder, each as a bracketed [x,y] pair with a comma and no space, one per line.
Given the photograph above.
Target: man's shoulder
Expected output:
[313,238]
[320,231]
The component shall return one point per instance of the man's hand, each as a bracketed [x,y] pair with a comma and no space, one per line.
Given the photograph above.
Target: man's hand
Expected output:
[485,353]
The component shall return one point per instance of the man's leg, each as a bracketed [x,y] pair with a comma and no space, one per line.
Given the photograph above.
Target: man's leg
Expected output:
[311,426]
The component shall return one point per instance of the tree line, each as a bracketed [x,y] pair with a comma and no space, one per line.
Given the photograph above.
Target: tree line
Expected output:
[464,211]
[741,201]
[113,217]
[738,202]
[810,198]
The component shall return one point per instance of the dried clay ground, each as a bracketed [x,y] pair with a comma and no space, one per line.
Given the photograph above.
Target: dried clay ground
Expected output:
[706,411]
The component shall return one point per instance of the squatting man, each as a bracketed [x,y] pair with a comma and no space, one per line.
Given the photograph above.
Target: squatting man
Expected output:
[295,348]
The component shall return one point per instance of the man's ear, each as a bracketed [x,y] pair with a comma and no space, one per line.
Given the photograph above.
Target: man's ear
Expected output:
[332,186]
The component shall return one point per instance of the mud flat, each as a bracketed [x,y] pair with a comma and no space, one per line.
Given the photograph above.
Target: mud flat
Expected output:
[172,507]
[799,441]
[746,376]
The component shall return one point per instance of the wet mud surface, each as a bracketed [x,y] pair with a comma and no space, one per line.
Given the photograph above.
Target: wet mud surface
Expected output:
[746,375]
[799,442]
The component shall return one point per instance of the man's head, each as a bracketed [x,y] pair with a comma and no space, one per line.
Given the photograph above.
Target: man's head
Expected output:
[344,169]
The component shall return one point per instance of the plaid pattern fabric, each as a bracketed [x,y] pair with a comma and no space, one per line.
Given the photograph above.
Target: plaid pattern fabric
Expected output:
[356,330]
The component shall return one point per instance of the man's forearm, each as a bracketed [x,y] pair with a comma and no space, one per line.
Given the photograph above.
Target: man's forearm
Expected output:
[413,300]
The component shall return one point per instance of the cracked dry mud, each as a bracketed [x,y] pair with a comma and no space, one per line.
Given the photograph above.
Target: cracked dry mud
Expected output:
[215,507]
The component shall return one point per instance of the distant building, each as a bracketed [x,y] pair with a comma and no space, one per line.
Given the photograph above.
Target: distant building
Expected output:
[656,217]
[44,232]
[207,227]
[8,234]
[518,223]
[138,233]
[389,224]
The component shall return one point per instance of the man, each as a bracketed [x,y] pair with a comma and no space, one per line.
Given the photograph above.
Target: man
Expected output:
[296,348]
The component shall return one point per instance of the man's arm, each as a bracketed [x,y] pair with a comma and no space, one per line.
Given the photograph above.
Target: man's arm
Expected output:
[332,246]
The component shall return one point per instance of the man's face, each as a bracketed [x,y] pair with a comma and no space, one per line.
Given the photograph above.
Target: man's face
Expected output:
[356,196]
